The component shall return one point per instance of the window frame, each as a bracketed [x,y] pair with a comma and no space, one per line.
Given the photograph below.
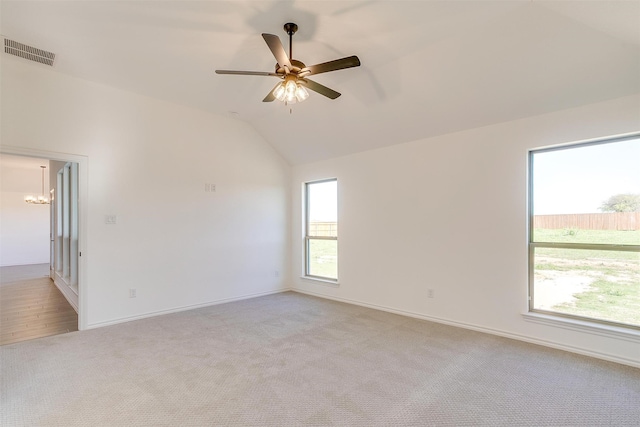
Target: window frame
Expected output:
[308,237]
[579,246]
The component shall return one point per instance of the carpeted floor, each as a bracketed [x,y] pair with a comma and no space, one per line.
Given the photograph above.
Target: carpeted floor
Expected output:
[294,360]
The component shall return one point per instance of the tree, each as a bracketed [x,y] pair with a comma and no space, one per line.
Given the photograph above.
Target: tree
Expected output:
[622,203]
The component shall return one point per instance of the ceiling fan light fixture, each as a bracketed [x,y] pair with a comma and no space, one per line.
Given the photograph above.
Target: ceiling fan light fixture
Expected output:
[301,93]
[290,91]
[279,92]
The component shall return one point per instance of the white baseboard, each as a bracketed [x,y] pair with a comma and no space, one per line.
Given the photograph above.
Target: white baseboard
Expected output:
[182,308]
[546,343]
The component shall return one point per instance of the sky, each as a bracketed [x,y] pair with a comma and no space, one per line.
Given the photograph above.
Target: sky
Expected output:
[579,180]
[324,201]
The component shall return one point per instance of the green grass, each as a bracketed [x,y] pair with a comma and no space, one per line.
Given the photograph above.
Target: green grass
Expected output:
[614,237]
[323,258]
[614,301]
[589,237]
[614,290]
[570,254]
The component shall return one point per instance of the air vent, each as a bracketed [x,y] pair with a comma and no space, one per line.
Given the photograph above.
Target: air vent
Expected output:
[27,52]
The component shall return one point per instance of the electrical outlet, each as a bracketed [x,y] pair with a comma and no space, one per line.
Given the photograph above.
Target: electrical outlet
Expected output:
[276,273]
[110,219]
[133,293]
[430,293]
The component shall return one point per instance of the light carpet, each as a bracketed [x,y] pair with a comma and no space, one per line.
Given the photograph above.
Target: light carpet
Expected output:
[294,360]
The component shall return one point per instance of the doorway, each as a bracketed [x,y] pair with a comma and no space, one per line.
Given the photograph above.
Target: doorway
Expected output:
[63,243]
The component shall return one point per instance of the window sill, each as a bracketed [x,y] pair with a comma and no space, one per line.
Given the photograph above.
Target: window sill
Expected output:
[608,331]
[326,282]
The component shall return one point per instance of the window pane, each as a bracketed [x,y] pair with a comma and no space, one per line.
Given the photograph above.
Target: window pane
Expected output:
[323,208]
[587,194]
[323,258]
[596,284]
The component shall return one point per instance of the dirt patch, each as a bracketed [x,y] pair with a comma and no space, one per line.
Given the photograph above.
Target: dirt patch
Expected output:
[558,287]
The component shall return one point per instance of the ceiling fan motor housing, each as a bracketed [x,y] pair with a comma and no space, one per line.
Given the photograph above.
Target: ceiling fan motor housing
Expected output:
[296,67]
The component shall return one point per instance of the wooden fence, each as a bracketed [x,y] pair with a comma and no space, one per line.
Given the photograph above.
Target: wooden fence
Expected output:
[322,229]
[595,221]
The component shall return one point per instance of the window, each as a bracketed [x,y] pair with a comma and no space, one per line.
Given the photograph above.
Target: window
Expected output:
[321,229]
[584,231]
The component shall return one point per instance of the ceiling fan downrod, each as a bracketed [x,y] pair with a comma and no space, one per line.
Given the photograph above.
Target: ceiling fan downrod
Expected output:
[291,29]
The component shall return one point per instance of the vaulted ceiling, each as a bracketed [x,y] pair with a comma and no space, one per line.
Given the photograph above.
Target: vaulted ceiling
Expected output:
[428,67]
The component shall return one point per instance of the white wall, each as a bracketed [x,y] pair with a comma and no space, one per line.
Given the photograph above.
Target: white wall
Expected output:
[148,162]
[450,214]
[24,228]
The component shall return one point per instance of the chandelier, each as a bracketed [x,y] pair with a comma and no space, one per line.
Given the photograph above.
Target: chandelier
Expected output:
[38,200]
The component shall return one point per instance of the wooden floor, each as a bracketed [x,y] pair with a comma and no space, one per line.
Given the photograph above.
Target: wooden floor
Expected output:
[31,306]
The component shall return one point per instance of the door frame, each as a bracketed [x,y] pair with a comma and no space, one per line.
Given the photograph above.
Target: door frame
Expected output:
[82,162]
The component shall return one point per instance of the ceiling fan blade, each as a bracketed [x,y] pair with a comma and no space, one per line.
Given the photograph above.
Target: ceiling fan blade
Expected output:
[270,96]
[277,49]
[247,73]
[325,67]
[317,87]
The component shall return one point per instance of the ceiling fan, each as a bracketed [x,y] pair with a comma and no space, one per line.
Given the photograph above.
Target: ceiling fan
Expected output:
[294,73]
